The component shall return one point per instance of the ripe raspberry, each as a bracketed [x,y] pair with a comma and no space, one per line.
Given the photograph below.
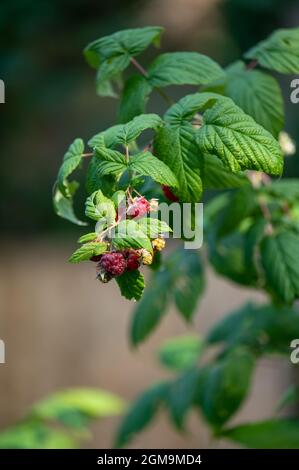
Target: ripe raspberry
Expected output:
[139,207]
[158,244]
[169,194]
[133,261]
[113,263]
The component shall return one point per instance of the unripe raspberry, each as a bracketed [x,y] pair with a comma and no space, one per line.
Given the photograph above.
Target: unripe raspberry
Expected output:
[169,194]
[139,207]
[147,257]
[113,263]
[158,244]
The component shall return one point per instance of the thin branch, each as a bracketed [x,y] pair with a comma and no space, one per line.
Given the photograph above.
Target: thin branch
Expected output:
[139,67]
[127,154]
[143,72]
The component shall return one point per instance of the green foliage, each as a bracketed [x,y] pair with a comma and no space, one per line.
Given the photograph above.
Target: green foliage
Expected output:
[73,407]
[225,386]
[126,133]
[223,137]
[280,52]
[216,176]
[180,352]
[181,279]
[86,251]
[262,329]
[128,234]
[141,413]
[64,190]
[61,420]
[64,206]
[183,68]
[146,164]
[134,98]
[280,261]
[71,161]
[257,93]
[131,284]
[271,434]
[238,140]
[111,55]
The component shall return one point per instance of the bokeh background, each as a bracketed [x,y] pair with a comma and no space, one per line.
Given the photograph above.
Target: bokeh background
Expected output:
[60,327]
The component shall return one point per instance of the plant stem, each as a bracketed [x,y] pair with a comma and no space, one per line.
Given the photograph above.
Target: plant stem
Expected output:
[87,154]
[127,154]
[143,72]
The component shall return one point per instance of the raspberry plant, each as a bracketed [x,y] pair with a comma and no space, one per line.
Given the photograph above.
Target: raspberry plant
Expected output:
[227,136]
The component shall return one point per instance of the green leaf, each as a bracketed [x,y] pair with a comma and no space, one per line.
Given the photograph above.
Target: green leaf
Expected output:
[112,54]
[128,41]
[71,161]
[258,94]
[175,144]
[94,181]
[279,52]
[271,434]
[240,205]
[88,237]
[85,252]
[287,189]
[178,149]
[216,176]
[123,134]
[183,68]
[111,162]
[35,436]
[238,140]
[153,227]
[64,206]
[98,207]
[226,386]
[189,282]
[131,284]
[127,234]
[146,164]
[66,406]
[181,396]
[134,98]
[279,257]
[151,307]
[141,413]
[262,328]
[180,352]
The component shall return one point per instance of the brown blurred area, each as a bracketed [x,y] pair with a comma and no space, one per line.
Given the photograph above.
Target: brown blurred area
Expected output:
[60,327]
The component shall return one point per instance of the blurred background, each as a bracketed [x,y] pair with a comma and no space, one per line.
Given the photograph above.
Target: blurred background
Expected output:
[60,327]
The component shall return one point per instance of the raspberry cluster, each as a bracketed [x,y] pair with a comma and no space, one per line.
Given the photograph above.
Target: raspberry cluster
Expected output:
[114,263]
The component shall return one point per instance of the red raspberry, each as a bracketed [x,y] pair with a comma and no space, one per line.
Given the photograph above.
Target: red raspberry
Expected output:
[133,261]
[113,263]
[139,207]
[169,194]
